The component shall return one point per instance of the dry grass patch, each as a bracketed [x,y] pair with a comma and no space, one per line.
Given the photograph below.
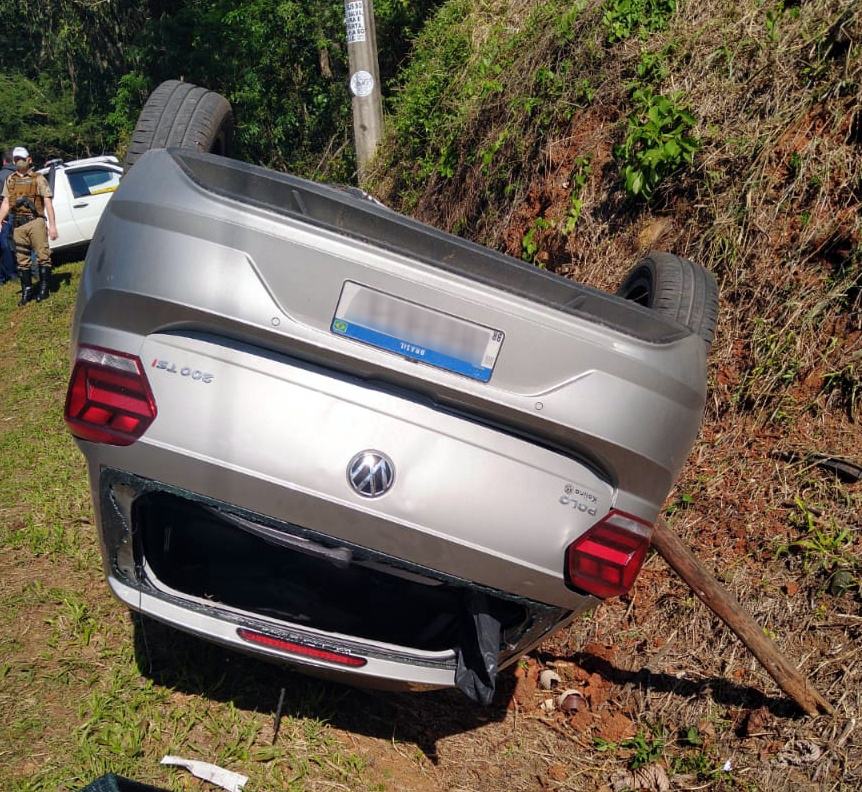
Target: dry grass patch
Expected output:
[772,204]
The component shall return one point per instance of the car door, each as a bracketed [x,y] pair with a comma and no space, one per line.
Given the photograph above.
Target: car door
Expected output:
[91,187]
[67,228]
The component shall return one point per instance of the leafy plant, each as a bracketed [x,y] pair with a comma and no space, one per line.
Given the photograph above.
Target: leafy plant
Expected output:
[692,736]
[623,18]
[647,747]
[658,142]
[825,545]
[488,154]
[826,548]
[652,66]
[772,17]
[74,75]
[604,746]
[702,765]
[530,244]
[132,91]
[684,501]
[565,21]
[580,175]
[554,96]
[424,121]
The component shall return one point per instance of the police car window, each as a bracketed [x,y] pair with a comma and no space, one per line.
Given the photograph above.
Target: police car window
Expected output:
[93,182]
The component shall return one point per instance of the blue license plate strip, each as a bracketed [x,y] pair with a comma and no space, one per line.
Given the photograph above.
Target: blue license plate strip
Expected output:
[416,332]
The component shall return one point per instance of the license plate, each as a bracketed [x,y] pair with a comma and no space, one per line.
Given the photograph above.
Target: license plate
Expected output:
[416,332]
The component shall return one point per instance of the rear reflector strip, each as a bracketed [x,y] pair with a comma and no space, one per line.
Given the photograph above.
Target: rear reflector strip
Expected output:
[109,398]
[311,652]
[606,560]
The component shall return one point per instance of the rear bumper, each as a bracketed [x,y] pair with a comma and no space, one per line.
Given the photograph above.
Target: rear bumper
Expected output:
[153,555]
[380,671]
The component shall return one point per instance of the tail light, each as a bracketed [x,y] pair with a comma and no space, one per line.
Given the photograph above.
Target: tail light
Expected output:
[312,652]
[109,399]
[606,559]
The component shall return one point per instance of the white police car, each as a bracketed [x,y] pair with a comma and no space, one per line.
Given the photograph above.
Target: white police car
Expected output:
[81,190]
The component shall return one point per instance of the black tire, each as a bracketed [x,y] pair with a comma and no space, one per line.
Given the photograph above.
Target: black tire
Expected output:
[182,115]
[677,288]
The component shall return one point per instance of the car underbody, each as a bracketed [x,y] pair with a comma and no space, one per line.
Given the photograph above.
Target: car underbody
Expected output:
[326,434]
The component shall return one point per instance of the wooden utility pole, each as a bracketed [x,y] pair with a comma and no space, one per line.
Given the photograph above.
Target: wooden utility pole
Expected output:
[364,79]
[723,605]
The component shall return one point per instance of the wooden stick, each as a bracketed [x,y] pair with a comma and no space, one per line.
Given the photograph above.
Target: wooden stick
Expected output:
[723,605]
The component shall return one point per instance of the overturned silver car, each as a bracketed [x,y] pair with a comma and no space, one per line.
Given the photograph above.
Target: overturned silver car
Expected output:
[324,433]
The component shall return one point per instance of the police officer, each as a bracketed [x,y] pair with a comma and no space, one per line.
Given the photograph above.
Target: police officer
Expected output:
[27,196]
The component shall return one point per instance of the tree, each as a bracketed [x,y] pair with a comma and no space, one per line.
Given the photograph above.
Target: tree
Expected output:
[58,70]
[76,73]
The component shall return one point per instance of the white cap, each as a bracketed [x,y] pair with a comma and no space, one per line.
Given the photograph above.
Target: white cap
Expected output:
[19,152]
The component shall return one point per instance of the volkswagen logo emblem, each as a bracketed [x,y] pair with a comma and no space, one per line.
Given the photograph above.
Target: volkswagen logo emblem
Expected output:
[371,473]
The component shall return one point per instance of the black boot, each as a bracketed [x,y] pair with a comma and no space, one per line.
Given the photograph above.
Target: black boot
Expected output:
[44,283]
[26,287]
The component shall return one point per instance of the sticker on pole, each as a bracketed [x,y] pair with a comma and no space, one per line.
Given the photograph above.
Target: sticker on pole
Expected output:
[354,21]
[361,84]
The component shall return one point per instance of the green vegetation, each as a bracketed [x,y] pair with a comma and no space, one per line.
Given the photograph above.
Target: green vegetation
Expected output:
[573,135]
[625,18]
[775,362]
[825,548]
[85,690]
[580,136]
[485,94]
[74,74]
[657,143]
[698,760]
[580,175]
[530,243]
[427,106]
[646,747]
[451,91]
[555,130]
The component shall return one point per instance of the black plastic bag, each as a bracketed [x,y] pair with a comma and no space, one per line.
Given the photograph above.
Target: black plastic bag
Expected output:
[479,649]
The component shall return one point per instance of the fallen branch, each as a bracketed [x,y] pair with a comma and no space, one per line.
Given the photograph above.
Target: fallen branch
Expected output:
[723,605]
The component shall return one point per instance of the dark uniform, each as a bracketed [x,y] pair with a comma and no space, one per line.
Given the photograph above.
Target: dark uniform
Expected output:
[7,255]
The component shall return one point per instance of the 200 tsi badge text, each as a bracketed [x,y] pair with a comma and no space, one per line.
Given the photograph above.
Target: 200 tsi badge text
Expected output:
[183,371]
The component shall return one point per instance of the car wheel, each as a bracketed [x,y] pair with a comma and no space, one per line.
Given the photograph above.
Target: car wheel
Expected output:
[182,115]
[677,288]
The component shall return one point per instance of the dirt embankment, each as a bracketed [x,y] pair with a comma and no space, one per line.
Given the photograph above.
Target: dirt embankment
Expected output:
[533,162]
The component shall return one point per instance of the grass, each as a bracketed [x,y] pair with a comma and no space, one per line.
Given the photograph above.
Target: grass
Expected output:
[78,697]
[42,489]
[85,689]
[519,136]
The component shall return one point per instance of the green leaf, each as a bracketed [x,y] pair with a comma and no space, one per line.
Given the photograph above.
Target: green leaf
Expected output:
[634,181]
